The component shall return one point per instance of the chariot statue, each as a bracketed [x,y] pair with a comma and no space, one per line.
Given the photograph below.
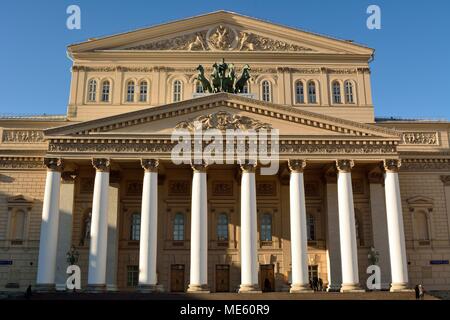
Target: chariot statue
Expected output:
[223,78]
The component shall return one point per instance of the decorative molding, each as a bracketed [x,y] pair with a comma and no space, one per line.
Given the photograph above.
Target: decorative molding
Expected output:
[101,164]
[150,165]
[223,120]
[22,163]
[341,71]
[221,38]
[266,188]
[222,188]
[296,165]
[53,164]
[179,188]
[392,165]
[344,166]
[22,136]
[418,165]
[420,138]
[133,188]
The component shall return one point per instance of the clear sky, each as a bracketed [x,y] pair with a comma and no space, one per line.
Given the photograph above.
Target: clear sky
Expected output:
[410,74]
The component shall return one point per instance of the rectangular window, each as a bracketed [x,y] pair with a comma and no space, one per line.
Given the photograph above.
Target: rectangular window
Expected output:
[132,276]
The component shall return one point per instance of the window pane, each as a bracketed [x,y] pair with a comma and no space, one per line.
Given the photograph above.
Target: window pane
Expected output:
[130,91]
[310,230]
[349,92]
[266,227]
[312,92]
[105,91]
[92,90]
[178,227]
[299,92]
[199,88]
[336,92]
[177,91]
[132,276]
[222,227]
[266,94]
[143,91]
[18,225]
[135,233]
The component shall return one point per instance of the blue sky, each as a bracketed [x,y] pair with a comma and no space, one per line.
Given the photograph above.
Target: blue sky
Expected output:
[410,74]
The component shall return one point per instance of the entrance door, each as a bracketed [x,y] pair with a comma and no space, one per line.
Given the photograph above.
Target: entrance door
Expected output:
[222,278]
[267,277]
[177,278]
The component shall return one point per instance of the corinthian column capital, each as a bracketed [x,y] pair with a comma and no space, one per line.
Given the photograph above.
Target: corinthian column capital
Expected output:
[101,164]
[53,164]
[392,165]
[296,165]
[150,165]
[345,166]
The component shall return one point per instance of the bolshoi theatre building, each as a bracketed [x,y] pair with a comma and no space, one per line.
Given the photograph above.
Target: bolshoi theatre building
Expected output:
[99,184]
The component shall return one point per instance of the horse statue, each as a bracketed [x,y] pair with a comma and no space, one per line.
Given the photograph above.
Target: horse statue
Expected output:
[201,77]
[228,82]
[215,78]
[239,87]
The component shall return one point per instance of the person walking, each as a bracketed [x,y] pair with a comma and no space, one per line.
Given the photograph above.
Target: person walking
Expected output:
[421,292]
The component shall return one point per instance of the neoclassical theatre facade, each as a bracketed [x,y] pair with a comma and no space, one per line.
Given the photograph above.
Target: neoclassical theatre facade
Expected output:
[351,190]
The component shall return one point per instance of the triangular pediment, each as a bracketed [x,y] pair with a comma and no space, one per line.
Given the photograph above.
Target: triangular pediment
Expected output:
[221,31]
[222,111]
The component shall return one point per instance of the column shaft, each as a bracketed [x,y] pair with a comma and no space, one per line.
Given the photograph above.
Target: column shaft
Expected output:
[199,233]
[49,231]
[397,248]
[149,229]
[249,253]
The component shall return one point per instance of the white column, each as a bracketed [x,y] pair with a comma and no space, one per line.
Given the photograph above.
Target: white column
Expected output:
[347,228]
[249,252]
[49,226]
[66,200]
[99,227]
[149,227]
[397,249]
[299,241]
[379,224]
[199,231]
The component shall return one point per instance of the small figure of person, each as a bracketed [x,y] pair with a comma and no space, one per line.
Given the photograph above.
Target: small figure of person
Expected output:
[315,284]
[416,290]
[421,292]
[320,284]
[28,293]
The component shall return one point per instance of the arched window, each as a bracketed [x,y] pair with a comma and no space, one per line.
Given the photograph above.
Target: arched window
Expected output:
[312,94]
[199,87]
[135,232]
[92,90]
[310,227]
[421,226]
[266,227]
[177,87]
[130,91]
[143,91]
[222,227]
[245,88]
[336,92]
[349,92]
[266,91]
[299,92]
[18,225]
[178,227]
[106,88]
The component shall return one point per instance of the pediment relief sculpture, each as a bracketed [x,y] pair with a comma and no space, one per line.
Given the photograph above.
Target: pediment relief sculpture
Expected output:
[221,38]
[223,120]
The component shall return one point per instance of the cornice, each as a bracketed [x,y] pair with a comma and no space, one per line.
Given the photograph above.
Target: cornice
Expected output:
[22,163]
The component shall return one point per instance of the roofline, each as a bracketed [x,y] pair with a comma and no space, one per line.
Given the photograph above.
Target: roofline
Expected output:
[69,47]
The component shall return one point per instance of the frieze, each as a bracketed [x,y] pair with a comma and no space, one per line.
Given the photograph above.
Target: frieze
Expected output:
[145,147]
[420,138]
[425,165]
[266,188]
[222,188]
[221,38]
[341,71]
[22,136]
[22,163]
[179,188]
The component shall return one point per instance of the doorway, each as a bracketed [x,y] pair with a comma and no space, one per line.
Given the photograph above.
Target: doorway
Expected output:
[267,277]
[177,278]
[222,278]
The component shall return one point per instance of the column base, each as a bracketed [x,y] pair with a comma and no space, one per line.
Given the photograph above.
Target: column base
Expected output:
[96,288]
[351,288]
[45,287]
[198,288]
[249,288]
[400,287]
[334,288]
[300,288]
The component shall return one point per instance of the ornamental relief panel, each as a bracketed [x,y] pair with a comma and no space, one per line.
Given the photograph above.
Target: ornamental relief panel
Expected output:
[221,38]
[22,136]
[420,138]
